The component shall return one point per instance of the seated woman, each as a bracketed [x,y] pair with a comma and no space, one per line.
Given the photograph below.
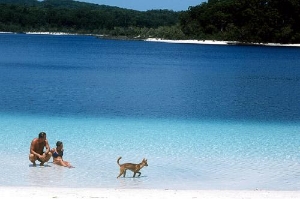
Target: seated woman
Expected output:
[57,154]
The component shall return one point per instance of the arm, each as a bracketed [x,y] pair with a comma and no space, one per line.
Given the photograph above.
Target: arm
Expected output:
[52,150]
[47,147]
[32,151]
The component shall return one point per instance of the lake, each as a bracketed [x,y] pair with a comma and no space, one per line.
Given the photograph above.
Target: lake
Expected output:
[205,116]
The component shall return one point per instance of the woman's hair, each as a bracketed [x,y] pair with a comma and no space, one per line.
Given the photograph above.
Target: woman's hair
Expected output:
[58,143]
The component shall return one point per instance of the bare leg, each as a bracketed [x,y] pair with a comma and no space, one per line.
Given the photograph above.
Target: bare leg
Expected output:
[48,156]
[45,158]
[68,164]
[32,159]
[60,162]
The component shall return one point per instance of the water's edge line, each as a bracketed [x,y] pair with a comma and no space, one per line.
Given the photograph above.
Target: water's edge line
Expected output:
[110,193]
[188,41]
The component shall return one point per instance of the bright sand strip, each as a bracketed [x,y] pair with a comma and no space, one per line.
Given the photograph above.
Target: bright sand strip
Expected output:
[70,193]
[188,41]
[211,42]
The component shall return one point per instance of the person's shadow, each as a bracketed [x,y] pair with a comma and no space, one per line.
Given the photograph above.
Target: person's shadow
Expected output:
[45,165]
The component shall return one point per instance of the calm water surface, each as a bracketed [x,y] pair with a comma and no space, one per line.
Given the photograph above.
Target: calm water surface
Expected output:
[205,116]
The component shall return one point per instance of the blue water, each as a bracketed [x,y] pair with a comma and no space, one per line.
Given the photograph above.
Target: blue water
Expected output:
[205,116]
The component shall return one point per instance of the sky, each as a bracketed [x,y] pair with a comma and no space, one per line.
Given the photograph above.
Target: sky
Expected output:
[143,5]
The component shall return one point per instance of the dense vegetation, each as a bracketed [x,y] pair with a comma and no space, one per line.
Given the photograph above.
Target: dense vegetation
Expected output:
[86,18]
[244,20]
[234,20]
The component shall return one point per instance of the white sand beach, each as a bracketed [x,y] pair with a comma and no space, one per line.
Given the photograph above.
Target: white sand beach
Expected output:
[214,42]
[188,41]
[208,42]
[48,33]
[70,193]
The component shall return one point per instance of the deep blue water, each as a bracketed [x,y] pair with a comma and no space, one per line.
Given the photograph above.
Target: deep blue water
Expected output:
[205,116]
[80,75]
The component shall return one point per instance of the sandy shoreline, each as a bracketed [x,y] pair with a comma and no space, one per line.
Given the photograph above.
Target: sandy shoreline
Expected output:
[69,193]
[211,42]
[208,42]
[214,42]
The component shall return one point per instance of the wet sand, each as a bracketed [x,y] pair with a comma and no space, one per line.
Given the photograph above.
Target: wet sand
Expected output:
[70,193]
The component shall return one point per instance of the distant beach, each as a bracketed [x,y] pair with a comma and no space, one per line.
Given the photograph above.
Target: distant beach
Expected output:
[41,33]
[215,42]
[188,41]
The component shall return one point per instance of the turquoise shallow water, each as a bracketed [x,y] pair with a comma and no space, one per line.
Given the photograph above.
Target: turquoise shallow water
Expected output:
[181,154]
[205,116]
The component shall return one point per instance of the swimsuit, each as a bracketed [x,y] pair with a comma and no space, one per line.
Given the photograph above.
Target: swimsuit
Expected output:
[55,154]
[39,158]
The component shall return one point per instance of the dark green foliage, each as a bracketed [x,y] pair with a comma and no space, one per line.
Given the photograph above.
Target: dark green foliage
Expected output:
[20,2]
[78,17]
[261,21]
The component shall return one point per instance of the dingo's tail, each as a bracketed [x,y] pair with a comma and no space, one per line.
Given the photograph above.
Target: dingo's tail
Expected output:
[119,160]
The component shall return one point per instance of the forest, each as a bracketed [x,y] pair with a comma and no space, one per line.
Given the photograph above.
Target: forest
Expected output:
[247,21]
[85,18]
[260,21]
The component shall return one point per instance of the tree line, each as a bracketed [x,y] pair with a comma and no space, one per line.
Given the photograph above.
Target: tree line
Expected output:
[259,21]
[85,18]
[262,21]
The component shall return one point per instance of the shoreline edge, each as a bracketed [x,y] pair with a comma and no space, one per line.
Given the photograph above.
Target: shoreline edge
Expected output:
[111,193]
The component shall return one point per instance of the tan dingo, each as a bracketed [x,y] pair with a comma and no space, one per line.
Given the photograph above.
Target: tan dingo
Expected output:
[135,168]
